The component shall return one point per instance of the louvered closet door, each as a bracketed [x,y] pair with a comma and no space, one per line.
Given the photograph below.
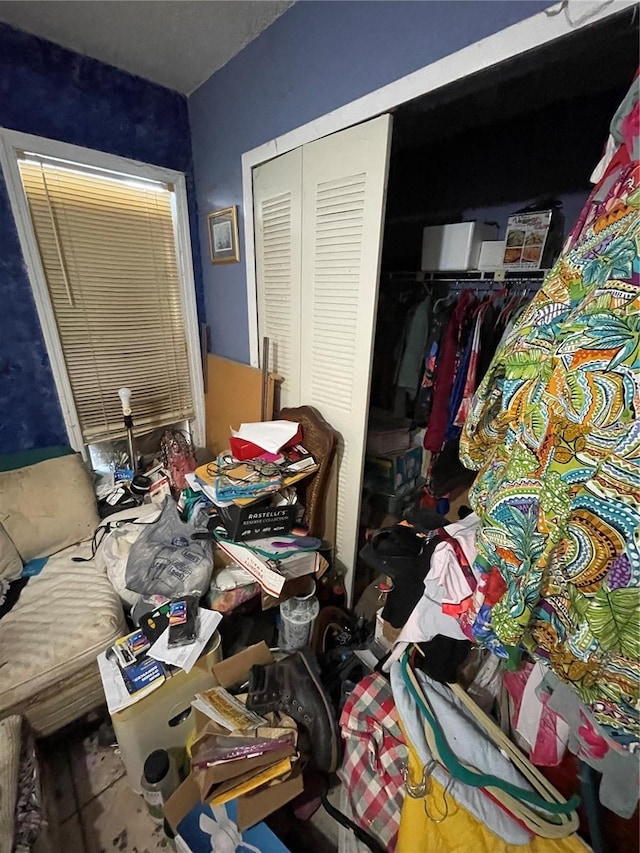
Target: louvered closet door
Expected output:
[344,188]
[277,188]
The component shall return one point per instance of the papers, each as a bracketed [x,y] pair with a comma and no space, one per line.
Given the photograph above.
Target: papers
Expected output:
[270,435]
[186,656]
[227,480]
[193,482]
[115,690]
[223,708]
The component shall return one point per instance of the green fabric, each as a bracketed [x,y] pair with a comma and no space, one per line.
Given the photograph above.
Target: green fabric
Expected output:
[23,458]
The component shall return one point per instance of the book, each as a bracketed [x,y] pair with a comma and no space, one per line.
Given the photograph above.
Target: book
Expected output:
[116,691]
[244,784]
[143,675]
[222,749]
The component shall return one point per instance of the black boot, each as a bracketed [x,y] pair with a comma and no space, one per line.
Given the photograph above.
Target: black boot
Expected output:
[292,685]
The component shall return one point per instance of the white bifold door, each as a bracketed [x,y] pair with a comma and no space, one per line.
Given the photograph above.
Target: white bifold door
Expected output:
[319,216]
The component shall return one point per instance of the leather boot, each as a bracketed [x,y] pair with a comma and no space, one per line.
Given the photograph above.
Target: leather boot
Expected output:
[292,685]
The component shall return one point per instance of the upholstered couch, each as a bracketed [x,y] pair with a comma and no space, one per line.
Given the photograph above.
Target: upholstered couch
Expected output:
[67,612]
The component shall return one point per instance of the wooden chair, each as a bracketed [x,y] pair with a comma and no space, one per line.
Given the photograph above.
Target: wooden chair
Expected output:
[320,439]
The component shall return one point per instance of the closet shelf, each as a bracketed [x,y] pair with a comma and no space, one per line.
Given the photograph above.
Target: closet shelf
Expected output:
[467,275]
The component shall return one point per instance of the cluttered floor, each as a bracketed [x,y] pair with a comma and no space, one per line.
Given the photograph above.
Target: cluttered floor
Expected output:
[97,811]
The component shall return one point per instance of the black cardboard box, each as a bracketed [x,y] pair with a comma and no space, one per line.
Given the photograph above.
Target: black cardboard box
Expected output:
[252,522]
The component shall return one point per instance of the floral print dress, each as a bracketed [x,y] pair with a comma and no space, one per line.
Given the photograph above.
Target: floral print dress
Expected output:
[554,431]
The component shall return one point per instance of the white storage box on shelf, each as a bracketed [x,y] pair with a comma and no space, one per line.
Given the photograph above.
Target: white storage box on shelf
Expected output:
[491,255]
[164,719]
[455,246]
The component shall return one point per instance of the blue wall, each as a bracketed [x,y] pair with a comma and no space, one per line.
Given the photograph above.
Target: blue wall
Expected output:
[314,58]
[52,92]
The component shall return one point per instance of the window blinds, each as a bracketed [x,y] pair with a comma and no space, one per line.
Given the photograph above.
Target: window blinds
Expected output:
[109,256]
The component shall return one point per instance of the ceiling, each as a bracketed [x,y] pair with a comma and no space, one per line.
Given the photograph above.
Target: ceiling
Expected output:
[176,43]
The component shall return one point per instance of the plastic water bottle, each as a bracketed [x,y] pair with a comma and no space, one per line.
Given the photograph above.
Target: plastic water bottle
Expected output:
[297,616]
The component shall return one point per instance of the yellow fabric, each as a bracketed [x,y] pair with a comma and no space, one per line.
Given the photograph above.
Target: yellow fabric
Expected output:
[460,832]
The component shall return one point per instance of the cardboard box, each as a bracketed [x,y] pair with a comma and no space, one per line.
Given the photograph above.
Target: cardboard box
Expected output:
[252,522]
[255,805]
[234,671]
[386,434]
[389,473]
[276,585]
[217,781]
[251,808]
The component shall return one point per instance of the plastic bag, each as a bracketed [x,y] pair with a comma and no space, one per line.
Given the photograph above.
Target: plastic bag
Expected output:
[164,560]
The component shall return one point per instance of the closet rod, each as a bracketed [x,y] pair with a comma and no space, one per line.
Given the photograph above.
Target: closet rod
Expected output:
[422,277]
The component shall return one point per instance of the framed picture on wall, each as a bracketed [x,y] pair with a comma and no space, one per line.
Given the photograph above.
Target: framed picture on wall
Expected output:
[223,235]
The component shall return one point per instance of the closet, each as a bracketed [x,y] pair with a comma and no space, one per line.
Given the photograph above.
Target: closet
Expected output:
[319,211]
[339,226]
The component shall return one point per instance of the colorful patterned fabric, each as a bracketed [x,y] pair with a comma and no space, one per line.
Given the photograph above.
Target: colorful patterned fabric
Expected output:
[374,757]
[554,431]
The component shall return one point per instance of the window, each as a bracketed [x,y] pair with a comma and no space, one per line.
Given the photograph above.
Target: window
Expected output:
[110,264]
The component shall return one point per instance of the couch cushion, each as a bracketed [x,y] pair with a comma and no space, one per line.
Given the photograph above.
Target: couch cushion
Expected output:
[64,617]
[47,506]
[10,562]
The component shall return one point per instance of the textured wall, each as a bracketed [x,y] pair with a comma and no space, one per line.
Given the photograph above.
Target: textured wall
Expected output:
[52,92]
[314,58]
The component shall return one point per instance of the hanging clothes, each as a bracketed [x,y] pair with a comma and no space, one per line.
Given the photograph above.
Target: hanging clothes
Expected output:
[554,432]
[441,313]
[445,374]
[470,379]
[586,740]
[411,363]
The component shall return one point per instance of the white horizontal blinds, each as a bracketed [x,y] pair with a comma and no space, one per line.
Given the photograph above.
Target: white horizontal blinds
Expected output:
[344,179]
[108,251]
[277,189]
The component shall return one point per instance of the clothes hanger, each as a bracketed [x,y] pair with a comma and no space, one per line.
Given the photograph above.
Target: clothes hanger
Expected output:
[544,811]
[510,305]
[492,298]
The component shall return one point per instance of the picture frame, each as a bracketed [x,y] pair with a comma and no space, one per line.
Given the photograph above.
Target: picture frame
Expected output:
[224,246]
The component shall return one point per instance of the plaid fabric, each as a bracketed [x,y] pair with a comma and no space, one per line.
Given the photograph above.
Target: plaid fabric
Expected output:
[374,755]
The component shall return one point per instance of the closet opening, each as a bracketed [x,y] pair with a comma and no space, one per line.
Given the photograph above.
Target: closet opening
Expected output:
[522,136]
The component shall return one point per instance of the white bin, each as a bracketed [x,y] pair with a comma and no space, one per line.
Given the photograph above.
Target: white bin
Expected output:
[455,246]
[163,719]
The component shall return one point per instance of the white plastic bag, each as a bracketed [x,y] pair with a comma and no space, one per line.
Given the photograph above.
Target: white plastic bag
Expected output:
[164,560]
